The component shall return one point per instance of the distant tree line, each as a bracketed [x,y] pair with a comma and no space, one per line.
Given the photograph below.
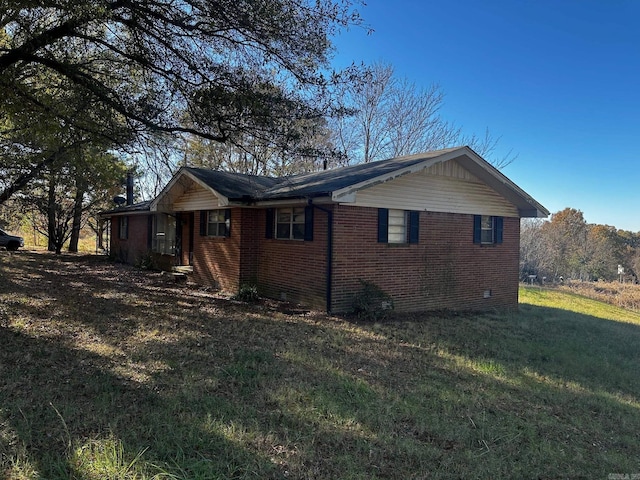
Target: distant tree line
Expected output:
[567,247]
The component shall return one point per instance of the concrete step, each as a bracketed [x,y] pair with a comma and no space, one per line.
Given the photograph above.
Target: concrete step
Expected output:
[184,269]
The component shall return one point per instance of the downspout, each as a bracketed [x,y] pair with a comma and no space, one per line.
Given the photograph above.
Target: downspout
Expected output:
[108,232]
[329,283]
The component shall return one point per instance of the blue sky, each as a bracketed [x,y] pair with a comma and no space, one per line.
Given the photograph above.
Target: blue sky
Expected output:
[558,81]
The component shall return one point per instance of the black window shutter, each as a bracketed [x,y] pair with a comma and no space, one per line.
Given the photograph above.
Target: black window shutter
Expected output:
[269,228]
[383,225]
[149,231]
[477,229]
[227,222]
[498,225]
[414,226]
[308,223]
[203,223]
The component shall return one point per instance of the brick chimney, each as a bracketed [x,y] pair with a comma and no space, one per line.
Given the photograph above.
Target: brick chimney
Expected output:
[130,188]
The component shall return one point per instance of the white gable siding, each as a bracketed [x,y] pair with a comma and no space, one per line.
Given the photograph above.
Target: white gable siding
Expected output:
[450,169]
[195,198]
[445,187]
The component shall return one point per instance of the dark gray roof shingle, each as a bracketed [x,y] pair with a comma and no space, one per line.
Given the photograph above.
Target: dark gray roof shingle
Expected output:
[136,207]
[233,185]
[315,184]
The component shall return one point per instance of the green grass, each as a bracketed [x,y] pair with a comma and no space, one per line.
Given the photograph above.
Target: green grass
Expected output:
[111,373]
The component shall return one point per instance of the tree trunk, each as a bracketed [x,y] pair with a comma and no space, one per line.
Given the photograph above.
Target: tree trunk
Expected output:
[77,221]
[51,215]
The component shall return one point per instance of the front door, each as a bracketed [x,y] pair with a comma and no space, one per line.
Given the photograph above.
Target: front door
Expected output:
[184,238]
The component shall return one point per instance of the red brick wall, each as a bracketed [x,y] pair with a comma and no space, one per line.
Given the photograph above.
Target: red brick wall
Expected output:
[216,260]
[252,233]
[289,269]
[294,270]
[445,270]
[135,246]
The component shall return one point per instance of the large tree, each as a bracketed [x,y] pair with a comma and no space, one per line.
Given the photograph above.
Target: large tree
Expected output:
[71,191]
[218,69]
[96,178]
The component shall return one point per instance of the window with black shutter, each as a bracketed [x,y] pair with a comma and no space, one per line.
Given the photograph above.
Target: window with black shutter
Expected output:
[398,226]
[487,230]
[219,223]
[215,223]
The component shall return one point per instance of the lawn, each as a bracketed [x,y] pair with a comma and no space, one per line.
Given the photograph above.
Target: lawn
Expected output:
[108,372]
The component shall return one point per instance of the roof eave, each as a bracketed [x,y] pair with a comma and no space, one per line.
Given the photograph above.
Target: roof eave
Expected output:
[121,213]
[491,176]
[141,208]
[494,178]
[533,213]
[316,197]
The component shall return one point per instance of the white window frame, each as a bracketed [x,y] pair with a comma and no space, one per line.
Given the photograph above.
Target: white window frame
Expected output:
[289,223]
[397,226]
[218,225]
[487,230]
[164,234]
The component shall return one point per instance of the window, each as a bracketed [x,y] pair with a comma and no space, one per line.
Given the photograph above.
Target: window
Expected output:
[290,223]
[215,223]
[164,234]
[487,230]
[123,231]
[398,226]
[397,232]
[218,223]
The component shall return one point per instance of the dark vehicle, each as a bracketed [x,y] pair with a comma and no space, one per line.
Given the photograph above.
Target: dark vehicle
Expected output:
[10,242]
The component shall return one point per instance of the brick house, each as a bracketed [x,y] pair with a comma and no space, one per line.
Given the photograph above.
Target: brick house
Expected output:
[438,230]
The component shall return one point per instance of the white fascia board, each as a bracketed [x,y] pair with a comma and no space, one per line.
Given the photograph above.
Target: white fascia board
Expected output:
[348,194]
[347,197]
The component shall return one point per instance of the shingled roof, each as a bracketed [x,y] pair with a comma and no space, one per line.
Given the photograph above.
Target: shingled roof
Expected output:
[237,186]
[129,209]
[328,181]
[234,185]
[339,183]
